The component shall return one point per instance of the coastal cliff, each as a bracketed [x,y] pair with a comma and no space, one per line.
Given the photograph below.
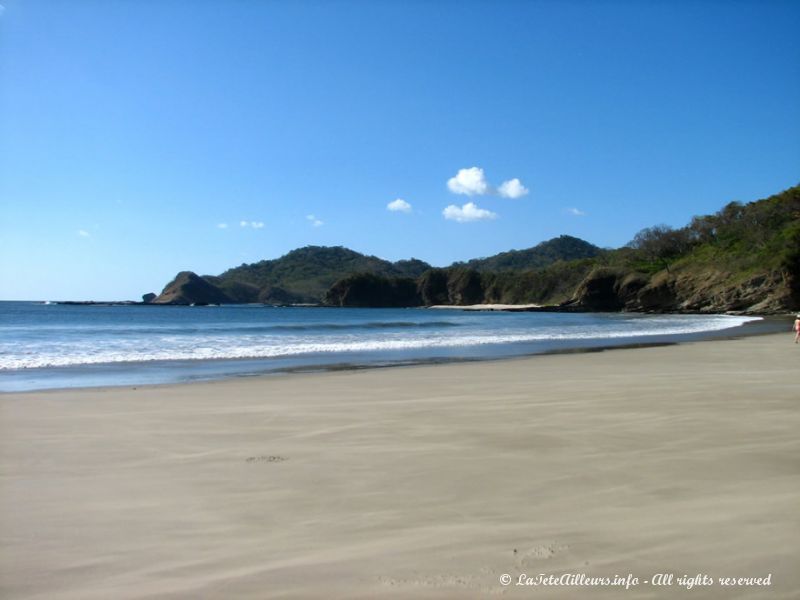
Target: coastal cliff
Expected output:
[339,276]
[706,292]
[744,258]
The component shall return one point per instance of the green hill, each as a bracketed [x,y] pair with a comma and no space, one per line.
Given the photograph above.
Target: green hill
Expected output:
[746,257]
[306,274]
[562,248]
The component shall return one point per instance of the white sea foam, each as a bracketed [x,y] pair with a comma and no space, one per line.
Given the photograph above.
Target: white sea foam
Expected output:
[62,353]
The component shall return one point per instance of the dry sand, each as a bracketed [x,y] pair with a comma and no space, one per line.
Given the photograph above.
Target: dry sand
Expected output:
[416,482]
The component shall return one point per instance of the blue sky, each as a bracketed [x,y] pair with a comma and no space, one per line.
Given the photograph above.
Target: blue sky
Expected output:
[131,132]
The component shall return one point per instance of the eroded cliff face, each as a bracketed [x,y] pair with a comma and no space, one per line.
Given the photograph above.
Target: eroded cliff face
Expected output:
[710,291]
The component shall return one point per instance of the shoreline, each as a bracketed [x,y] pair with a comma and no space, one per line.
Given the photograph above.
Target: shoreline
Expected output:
[424,482]
[488,307]
[765,325]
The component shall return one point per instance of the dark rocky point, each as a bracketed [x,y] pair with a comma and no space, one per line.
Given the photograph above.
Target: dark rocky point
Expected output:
[189,288]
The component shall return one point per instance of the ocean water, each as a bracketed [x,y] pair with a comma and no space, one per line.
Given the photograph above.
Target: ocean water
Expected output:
[51,346]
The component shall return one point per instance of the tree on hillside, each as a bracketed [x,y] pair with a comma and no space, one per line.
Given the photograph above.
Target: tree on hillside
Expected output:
[661,244]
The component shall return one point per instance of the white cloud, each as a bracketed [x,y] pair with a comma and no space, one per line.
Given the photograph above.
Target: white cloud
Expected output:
[468,212]
[470,182]
[399,205]
[577,212]
[83,233]
[222,225]
[242,223]
[512,188]
[253,224]
[314,221]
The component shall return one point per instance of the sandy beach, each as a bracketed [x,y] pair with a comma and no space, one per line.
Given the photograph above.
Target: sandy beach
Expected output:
[480,307]
[414,482]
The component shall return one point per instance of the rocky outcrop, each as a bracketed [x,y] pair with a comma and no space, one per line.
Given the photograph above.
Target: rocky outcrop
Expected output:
[464,287]
[189,288]
[432,287]
[368,290]
[237,291]
[272,294]
[659,294]
[720,292]
[606,289]
[600,291]
[148,298]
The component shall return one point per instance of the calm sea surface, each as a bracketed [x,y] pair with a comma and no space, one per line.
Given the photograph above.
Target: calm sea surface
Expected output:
[50,345]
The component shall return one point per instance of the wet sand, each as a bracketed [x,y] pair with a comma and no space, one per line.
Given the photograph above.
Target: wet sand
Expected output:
[414,482]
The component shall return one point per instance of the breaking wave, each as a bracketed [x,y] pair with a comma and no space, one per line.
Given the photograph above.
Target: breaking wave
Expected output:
[261,341]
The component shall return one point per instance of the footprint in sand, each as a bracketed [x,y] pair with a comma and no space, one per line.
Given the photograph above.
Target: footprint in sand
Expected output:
[530,556]
[441,581]
[271,459]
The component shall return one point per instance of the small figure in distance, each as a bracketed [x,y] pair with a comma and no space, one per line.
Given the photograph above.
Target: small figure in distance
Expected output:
[797,329]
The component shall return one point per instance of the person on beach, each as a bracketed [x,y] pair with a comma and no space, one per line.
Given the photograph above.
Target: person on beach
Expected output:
[797,329]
